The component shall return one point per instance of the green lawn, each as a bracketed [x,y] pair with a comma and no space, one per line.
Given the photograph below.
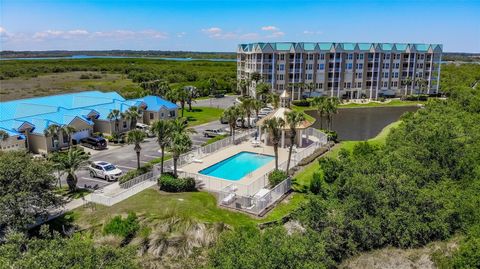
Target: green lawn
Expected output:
[284,208]
[304,177]
[154,204]
[201,115]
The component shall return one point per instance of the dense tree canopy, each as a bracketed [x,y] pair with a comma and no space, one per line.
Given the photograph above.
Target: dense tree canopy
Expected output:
[26,189]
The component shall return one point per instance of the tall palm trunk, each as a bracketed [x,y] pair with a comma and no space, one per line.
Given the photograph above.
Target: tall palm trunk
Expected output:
[138,157]
[275,150]
[72,181]
[175,158]
[292,141]
[321,120]
[162,159]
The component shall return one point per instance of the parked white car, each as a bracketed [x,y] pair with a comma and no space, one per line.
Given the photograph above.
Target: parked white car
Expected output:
[145,128]
[104,170]
[252,121]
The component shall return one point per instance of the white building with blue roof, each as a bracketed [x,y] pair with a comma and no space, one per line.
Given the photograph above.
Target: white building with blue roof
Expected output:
[26,120]
[343,70]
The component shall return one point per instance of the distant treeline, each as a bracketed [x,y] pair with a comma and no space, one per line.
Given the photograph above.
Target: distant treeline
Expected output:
[123,53]
[460,56]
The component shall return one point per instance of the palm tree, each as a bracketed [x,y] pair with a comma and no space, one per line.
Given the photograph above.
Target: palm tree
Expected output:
[70,162]
[231,114]
[162,129]
[53,130]
[163,87]
[243,86]
[182,96]
[310,87]
[132,114]
[320,103]
[274,128]
[192,93]
[68,130]
[256,106]
[293,119]
[247,105]
[180,141]
[3,135]
[331,108]
[262,90]
[213,86]
[422,84]
[172,95]
[115,115]
[274,99]
[406,82]
[136,137]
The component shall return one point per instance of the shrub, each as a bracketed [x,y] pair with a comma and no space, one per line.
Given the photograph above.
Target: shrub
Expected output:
[100,134]
[312,157]
[169,183]
[135,173]
[276,176]
[122,227]
[303,102]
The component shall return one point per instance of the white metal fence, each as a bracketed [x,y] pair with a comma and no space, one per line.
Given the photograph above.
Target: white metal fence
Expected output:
[254,204]
[100,198]
[136,180]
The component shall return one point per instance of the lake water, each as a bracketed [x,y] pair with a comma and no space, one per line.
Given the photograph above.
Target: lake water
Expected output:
[362,123]
[119,57]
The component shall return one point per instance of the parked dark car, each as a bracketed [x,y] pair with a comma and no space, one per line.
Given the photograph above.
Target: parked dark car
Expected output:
[94,142]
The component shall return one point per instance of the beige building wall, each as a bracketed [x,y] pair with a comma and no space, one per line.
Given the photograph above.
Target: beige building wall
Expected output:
[12,143]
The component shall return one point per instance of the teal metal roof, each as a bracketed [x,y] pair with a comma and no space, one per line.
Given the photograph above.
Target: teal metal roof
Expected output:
[386,46]
[309,46]
[62,109]
[348,46]
[364,46]
[421,47]
[401,46]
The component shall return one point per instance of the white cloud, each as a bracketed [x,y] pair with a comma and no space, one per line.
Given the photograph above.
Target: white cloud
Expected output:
[219,33]
[274,31]
[181,34]
[79,33]
[270,28]
[308,32]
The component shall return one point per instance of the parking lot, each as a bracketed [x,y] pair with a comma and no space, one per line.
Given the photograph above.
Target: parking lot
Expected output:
[124,157]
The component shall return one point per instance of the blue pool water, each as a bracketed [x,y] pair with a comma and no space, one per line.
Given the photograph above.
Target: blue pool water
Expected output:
[237,166]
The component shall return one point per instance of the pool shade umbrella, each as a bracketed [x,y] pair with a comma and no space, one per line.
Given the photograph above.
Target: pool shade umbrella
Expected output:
[280,114]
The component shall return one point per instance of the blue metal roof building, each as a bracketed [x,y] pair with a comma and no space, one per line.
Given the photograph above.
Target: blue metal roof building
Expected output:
[40,112]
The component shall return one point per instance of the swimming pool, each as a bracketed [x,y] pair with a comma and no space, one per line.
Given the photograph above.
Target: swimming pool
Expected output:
[237,166]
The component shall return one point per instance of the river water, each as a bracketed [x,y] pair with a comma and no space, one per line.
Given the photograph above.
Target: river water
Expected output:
[362,123]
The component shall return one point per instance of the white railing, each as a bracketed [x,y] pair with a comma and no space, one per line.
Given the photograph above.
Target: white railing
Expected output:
[100,198]
[136,180]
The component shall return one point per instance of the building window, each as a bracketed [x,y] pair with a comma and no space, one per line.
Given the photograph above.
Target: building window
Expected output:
[350,56]
[359,84]
[349,66]
[359,66]
[281,67]
[358,75]
[321,66]
[172,113]
[124,124]
[322,56]
[385,84]
[282,57]
[151,116]
[65,138]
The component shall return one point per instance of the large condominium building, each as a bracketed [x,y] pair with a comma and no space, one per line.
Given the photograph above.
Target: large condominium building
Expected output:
[344,70]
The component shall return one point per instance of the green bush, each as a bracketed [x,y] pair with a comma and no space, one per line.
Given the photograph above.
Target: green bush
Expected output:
[276,176]
[122,227]
[100,134]
[169,183]
[303,102]
[135,173]
[417,97]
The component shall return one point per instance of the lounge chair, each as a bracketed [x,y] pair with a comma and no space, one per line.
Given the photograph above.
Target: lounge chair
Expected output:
[228,199]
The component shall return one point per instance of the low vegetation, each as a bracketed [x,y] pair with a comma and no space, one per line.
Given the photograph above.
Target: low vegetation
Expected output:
[170,183]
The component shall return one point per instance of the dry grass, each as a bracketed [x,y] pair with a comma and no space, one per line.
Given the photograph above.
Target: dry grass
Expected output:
[18,88]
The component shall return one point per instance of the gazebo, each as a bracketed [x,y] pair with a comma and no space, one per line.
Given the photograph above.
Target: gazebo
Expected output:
[280,113]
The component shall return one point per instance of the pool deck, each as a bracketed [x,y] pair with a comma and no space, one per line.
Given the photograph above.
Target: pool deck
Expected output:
[227,152]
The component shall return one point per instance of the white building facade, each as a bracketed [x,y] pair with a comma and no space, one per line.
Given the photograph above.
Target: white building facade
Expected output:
[343,70]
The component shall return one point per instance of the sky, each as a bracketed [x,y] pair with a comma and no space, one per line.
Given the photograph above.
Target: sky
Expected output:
[222,25]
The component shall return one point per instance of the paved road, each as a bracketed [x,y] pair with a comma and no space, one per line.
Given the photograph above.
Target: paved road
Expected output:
[124,157]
